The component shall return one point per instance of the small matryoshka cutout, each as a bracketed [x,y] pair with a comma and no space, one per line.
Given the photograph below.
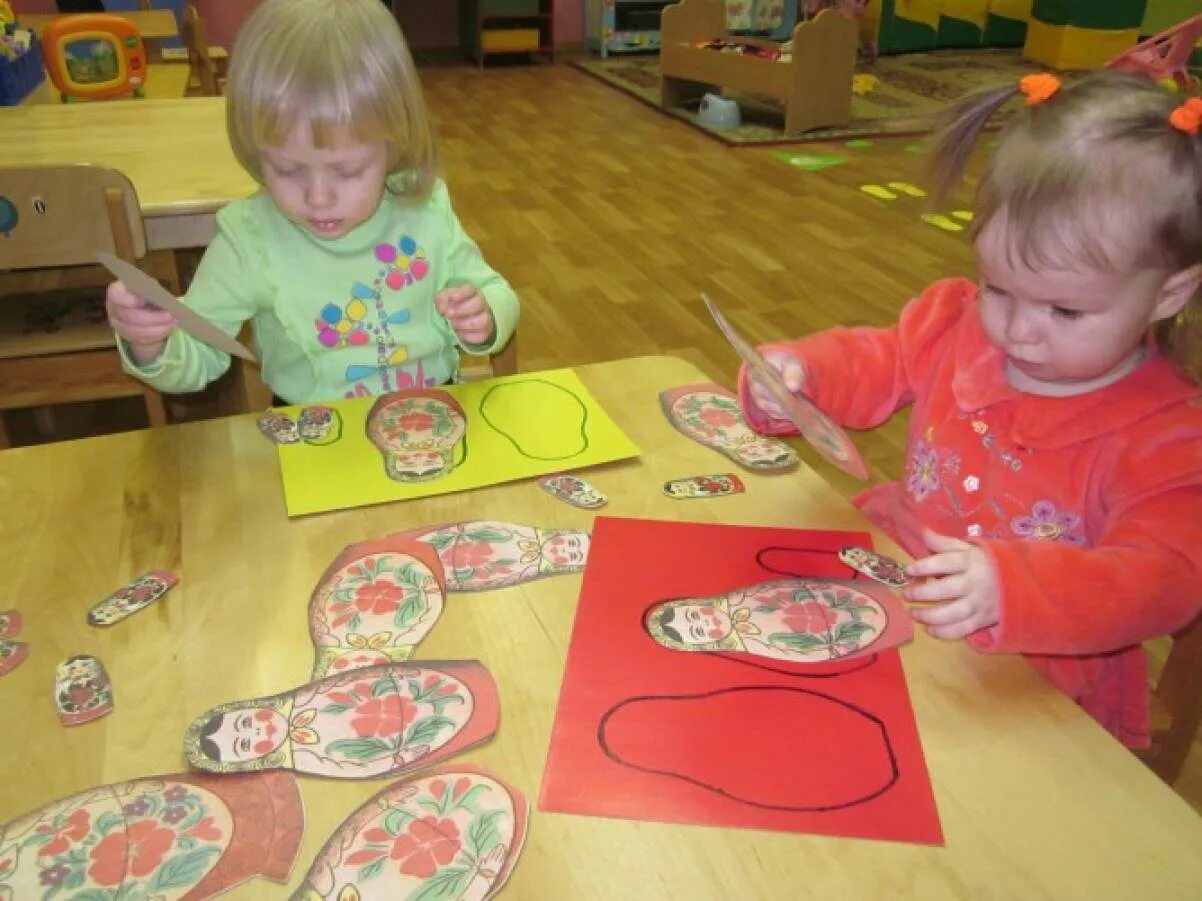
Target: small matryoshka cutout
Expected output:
[278,427]
[12,653]
[704,486]
[129,599]
[573,490]
[10,623]
[82,691]
[876,566]
[319,425]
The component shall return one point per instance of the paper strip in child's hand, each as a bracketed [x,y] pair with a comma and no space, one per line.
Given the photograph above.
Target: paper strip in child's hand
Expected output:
[189,320]
[815,426]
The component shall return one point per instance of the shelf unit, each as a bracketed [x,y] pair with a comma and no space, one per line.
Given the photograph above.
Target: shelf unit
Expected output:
[506,27]
[622,26]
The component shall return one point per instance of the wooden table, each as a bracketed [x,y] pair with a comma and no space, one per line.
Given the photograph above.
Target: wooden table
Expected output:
[174,151]
[1036,800]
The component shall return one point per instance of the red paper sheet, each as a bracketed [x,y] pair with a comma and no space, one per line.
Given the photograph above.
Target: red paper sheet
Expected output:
[727,739]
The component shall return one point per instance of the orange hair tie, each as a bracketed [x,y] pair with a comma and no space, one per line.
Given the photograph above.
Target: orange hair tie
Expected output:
[1188,116]
[1038,87]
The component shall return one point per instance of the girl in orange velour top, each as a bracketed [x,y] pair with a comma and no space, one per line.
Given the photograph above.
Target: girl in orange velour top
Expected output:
[1053,484]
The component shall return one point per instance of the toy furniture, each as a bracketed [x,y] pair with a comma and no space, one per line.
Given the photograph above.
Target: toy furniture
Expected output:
[622,26]
[490,28]
[814,83]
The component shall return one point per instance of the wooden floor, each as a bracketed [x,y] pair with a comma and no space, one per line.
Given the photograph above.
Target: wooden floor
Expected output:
[609,218]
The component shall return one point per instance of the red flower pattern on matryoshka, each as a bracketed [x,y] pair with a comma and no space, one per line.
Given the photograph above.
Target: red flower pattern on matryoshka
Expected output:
[718,418]
[137,850]
[379,598]
[78,825]
[472,553]
[429,843]
[416,421]
[809,616]
[382,717]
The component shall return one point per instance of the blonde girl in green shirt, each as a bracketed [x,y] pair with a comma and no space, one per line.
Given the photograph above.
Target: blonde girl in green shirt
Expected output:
[350,263]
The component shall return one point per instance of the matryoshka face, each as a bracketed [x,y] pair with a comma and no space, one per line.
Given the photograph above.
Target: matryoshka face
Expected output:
[695,623]
[245,734]
[566,550]
[419,464]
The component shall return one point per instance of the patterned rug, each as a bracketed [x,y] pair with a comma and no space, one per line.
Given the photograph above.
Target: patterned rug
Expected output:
[910,88]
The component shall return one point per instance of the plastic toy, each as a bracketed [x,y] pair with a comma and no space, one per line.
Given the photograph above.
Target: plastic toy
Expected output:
[94,56]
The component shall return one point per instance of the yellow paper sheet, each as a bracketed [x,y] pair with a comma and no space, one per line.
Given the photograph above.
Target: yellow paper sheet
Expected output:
[518,427]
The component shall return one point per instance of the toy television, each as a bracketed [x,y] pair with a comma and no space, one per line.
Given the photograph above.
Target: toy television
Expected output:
[94,55]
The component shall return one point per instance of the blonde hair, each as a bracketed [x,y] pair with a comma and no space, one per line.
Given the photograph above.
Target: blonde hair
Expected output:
[1093,175]
[336,66]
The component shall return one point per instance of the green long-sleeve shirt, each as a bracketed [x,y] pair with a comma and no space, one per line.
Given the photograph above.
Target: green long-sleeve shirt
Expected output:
[334,318]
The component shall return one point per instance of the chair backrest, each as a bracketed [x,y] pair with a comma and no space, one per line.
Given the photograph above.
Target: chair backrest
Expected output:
[1177,705]
[61,215]
[199,57]
[503,362]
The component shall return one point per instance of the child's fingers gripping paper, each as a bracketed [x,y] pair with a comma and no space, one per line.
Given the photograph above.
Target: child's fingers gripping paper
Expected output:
[791,371]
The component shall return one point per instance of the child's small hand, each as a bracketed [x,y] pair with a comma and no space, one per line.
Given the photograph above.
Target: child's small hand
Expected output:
[143,325]
[961,575]
[792,373]
[468,313]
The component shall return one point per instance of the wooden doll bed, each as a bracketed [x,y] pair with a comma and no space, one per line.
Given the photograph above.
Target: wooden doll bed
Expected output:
[815,86]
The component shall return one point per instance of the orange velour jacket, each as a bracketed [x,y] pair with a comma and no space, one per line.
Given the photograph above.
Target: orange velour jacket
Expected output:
[1090,507]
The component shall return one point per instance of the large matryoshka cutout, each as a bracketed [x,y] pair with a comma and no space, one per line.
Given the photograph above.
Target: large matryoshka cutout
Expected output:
[484,554]
[185,835]
[710,415]
[366,723]
[455,833]
[800,620]
[418,433]
[374,604]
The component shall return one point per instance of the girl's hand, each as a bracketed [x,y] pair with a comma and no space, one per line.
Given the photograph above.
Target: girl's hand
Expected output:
[791,372]
[143,325]
[465,309]
[961,575]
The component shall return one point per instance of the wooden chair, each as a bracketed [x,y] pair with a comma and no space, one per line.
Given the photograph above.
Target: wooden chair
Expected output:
[1176,705]
[207,63]
[58,216]
[503,362]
